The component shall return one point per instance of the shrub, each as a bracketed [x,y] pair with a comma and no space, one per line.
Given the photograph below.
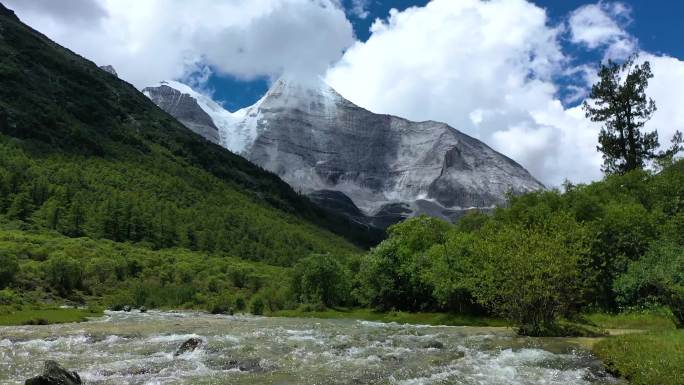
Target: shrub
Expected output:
[392,273]
[320,278]
[257,305]
[450,271]
[531,275]
[221,305]
[240,303]
[8,297]
[658,277]
[9,267]
[63,273]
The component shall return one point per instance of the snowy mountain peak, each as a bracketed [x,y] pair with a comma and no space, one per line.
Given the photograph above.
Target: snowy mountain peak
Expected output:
[223,120]
[384,167]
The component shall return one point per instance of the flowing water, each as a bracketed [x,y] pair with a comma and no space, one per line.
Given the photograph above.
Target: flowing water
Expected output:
[134,348]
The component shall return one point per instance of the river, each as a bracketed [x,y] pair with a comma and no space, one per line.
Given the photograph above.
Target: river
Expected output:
[135,348]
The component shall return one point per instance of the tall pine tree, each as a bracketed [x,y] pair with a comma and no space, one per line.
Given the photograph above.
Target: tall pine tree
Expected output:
[619,101]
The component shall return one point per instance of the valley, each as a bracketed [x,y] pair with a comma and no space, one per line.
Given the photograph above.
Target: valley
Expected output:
[305,239]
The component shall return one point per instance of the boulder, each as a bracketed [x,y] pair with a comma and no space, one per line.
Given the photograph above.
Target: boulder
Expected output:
[143,309]
[53,374]
[127,308]
[189,346]
[433,345]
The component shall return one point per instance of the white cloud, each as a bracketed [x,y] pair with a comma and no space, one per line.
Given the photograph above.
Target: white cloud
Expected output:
[150,40]
[600,25]
[359,8]
[487,68]
[667,89]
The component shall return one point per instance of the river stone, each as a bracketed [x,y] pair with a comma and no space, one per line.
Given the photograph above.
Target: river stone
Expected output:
[433,345]
[143,309]
[53,374]
[127,308]
[189,346]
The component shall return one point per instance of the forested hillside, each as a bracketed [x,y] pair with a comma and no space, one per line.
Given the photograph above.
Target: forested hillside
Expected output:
[85,154]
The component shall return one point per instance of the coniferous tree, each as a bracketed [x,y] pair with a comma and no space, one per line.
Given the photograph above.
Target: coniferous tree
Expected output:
[619,101]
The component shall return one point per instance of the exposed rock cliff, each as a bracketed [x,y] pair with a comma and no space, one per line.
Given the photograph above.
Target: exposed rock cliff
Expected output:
[376,168]
[185,108]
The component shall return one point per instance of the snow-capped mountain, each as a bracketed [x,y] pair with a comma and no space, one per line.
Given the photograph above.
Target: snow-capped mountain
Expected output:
[376,168]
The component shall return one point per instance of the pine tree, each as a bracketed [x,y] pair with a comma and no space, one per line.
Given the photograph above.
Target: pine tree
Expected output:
[619,101]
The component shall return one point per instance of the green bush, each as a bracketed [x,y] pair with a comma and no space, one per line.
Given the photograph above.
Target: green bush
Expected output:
[392,273]
[531,275]
[9,297]
[9,267]
[451,270]
[64,273]
[321,278]
[257,305]
[222,305]
[658,277]
[240,303]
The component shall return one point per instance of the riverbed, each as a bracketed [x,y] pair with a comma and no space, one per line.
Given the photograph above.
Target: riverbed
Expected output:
[139,348]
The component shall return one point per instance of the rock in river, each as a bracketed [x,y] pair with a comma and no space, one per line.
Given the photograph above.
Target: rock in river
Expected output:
[189,346]
[53,374]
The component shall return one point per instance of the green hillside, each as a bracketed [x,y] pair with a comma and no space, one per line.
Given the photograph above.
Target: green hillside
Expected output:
[85,154]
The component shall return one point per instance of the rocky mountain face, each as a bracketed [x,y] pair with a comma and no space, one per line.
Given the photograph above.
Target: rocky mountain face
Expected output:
[185,108]
[377,169]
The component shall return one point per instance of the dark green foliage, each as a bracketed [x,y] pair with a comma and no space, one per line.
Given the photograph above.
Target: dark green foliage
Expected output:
[544,258]
[656,278]
[619,101]
[623,107]
[63,273]
[257,305]
[321,278]
[240,303]
[116,274]
[531,275]
[86,154]
[132,202]
[392,272]
[9,266]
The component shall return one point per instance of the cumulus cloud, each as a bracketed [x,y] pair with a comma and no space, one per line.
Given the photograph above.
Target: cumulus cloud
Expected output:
[484,67]
[601,25]
[488,68]
[150,40]
[667,89]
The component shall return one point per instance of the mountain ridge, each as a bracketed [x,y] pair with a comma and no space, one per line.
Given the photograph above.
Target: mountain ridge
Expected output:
[87,154]
[316,140]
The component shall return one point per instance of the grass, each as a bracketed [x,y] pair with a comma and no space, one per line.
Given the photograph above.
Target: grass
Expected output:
[650,320]
[652,358]
[398,317]
[46,316]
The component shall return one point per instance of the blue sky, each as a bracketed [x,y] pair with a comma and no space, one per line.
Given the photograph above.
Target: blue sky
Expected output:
[511,73]
[657,24]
